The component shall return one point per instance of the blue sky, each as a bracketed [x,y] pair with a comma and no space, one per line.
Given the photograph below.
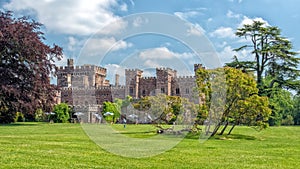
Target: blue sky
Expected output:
[72,24]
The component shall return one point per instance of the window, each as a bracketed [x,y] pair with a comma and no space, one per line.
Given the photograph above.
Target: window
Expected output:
[162,90]
[130,91]
[144,92]
[177,91]
[187,90]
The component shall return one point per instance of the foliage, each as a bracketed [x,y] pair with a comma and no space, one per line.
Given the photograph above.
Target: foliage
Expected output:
[288,120]
[296,111]
[167,109]
[40,115]
[242,106]
[26,63]
[112,108]
[61,113]
[19,117]
[282,105]
[6,116]
[272,56]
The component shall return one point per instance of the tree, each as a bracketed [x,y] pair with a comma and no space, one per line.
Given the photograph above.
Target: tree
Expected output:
[112,108]
[273,57]
[296,113]
[282,105]
[26,63]
[242,104]
[61,113]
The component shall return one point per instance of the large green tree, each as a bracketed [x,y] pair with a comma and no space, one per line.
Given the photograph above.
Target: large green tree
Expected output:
[282,104]
[62,113]
[270,55]
[238,104]
[25,66]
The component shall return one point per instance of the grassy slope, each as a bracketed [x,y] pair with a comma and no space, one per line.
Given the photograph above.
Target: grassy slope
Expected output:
[38,145]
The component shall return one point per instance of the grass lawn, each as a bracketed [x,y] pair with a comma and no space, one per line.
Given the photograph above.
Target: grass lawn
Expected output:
[43,145]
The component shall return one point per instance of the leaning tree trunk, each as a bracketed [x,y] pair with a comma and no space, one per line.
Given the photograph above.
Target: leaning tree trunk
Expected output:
[231,129]
[224,128]
[216,129]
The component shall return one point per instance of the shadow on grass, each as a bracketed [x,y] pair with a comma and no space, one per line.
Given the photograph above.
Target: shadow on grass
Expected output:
[234,137]
[222,137]
[20,124]
[137,132]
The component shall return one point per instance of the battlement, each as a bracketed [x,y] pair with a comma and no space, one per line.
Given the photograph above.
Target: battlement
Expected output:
[83,68]
[110,87]
[76,88]
[165,69]
[133,70]
[149,78]
[185,77]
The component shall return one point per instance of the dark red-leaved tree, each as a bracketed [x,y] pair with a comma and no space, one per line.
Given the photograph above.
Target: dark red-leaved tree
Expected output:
[25,67]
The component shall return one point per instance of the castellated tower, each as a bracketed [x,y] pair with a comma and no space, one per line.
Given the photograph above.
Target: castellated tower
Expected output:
[164,80]
[133,77]
[81,76]
[84,87]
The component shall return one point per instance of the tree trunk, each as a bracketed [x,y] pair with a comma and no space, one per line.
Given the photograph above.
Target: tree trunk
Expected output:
[231,129]
[224,128]
[216,129]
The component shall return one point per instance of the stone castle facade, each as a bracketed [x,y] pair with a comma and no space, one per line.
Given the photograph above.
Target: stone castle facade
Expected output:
[86,87]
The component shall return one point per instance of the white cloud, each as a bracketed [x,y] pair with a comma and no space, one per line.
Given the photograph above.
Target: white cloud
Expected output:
[195,29]
[71,16]
[223,32]
[230,14]
[227,54]
[155,53]
[188,14]
[123,7]
[101,45]
[249,21]
[152,63]
[163,53]
[138,21]
[113,28]
[72,42]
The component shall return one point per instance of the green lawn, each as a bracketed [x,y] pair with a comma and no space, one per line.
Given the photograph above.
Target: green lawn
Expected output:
[43,145]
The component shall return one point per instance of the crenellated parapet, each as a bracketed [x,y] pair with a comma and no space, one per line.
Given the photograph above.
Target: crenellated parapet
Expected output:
[94,68]
[148,78]
[185,78]
[133,70]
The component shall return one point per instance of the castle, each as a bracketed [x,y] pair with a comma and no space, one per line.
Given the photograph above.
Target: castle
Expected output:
[86,87]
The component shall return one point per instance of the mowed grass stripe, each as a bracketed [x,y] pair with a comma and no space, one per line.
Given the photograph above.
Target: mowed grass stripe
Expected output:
[44,145]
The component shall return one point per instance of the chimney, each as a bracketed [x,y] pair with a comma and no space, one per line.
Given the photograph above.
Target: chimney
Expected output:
[117,80]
